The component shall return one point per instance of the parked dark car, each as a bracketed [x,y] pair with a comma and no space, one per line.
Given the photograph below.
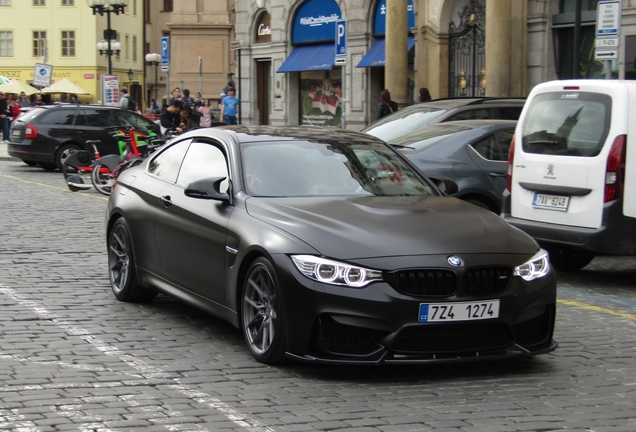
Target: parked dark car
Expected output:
[474,153]
[417,116]
[328,246]
[46,135]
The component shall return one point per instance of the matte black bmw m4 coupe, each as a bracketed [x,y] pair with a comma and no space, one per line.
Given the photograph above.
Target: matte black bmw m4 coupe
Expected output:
[327,246]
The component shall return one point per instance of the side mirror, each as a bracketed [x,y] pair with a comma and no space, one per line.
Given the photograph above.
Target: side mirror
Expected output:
[446,185]
[208,189]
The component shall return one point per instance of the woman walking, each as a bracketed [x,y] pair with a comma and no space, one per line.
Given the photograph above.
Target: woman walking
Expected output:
[386,105]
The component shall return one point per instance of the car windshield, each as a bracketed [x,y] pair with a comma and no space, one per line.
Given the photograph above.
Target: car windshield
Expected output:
[403,122]
[302,168]
[567,124]
[428,137]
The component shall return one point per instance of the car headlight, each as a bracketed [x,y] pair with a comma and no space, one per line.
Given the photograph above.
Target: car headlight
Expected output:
[334,272]
[535,268]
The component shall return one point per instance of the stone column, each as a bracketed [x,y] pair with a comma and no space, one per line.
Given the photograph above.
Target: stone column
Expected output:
[396,68]
[498,48]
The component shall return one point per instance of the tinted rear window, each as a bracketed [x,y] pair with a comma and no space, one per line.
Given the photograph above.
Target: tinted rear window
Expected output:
[58,117]
[567,124]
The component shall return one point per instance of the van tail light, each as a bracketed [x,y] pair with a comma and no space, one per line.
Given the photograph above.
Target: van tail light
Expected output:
[30,131]
[511,158]
[615,172]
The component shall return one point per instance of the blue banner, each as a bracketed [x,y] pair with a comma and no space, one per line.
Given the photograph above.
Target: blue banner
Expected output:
[379,21]
[315,22]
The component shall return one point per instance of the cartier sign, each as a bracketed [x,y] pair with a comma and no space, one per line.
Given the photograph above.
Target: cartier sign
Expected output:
[263,29]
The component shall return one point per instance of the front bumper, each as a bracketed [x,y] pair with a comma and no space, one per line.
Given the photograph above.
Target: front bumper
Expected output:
[379,324]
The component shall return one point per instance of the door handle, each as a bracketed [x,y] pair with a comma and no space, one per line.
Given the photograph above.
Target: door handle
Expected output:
[498,175]
[79,132]
[166,200]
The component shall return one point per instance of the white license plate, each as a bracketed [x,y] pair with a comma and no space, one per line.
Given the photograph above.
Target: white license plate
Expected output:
[15,133]
[465,311]
[551,202]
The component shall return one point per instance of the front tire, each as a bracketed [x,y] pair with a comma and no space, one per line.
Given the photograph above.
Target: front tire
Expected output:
[64,152]
[262,314]
[121,266]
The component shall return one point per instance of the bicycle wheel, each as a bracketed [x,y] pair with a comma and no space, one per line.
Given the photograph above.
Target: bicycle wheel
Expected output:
[102,179]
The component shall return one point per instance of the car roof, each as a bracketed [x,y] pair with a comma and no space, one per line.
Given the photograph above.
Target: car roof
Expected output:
[255,133]
[450,103]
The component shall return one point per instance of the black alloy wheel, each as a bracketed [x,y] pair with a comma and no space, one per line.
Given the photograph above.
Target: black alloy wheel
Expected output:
[121,266]
[262,315]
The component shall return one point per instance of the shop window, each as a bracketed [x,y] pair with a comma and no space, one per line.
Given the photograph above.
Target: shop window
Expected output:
[563,28]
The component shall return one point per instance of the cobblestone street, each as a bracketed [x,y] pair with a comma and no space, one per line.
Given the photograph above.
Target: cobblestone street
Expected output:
[73,358]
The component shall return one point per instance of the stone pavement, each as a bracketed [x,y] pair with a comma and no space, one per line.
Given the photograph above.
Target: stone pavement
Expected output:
[72,358]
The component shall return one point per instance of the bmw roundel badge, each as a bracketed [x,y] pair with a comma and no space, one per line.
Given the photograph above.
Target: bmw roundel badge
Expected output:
[455,261]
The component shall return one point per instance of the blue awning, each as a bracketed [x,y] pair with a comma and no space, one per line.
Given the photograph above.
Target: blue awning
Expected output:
[376,55]
[310,58]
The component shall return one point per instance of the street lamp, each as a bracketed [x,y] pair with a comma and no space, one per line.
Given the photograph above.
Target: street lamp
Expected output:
[130,74]
[105,46]
[154,59]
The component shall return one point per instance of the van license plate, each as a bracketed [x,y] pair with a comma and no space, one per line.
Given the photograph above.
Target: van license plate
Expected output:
[551,202]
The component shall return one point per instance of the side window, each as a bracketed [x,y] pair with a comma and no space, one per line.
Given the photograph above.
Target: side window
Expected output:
[166,164]
[510,113]
[504,139]
[80,119]
[473,114]
[99,118]
[202,161]
[128,118]
[59,117]
[486,147]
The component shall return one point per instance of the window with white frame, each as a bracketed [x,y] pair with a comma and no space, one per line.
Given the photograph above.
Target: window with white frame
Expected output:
[134,48]
[39,43]
[68,43]
[6,43]
[39,2]
[5,2]
[68,2]
[127,48]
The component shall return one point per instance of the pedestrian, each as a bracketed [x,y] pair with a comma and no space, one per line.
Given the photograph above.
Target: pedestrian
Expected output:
[125,102]
[37,101]
[198,100]
[175,94]
[4,117]
[171,116]
[206,114]
[229,107]
[424,95]
[24,101]
[154,107]
[74,99]
[186,99]
[386,105]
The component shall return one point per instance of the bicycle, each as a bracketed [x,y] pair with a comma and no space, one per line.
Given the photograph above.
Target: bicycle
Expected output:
[135,147]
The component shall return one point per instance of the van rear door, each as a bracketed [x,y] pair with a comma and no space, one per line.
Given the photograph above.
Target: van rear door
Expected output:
[563,140]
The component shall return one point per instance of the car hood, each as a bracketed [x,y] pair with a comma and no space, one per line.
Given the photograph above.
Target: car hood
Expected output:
[365,227]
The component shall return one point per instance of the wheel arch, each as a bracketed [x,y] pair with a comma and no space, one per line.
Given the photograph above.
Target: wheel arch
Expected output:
[487,200]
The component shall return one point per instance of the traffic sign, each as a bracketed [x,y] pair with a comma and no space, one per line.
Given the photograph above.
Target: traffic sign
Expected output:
[605,43]
[165,51]
[606,54]
[42,74]
[608,18]
[341,38]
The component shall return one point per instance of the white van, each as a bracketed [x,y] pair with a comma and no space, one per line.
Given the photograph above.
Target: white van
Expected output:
[571,180]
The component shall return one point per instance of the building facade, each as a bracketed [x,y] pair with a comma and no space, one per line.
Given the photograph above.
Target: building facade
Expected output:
[64,34]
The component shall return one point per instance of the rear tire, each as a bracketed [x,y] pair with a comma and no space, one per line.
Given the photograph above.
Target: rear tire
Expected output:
[121,266]
[569,259]
[63,153]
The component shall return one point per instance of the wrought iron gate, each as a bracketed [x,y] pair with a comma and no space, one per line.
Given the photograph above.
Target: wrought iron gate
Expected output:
[467,52]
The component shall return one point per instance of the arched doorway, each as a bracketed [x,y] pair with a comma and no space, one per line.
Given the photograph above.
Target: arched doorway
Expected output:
[467,52]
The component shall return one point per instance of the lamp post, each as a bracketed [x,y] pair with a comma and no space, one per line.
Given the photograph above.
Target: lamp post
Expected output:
[130,74]
[154,59]
[105,46]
